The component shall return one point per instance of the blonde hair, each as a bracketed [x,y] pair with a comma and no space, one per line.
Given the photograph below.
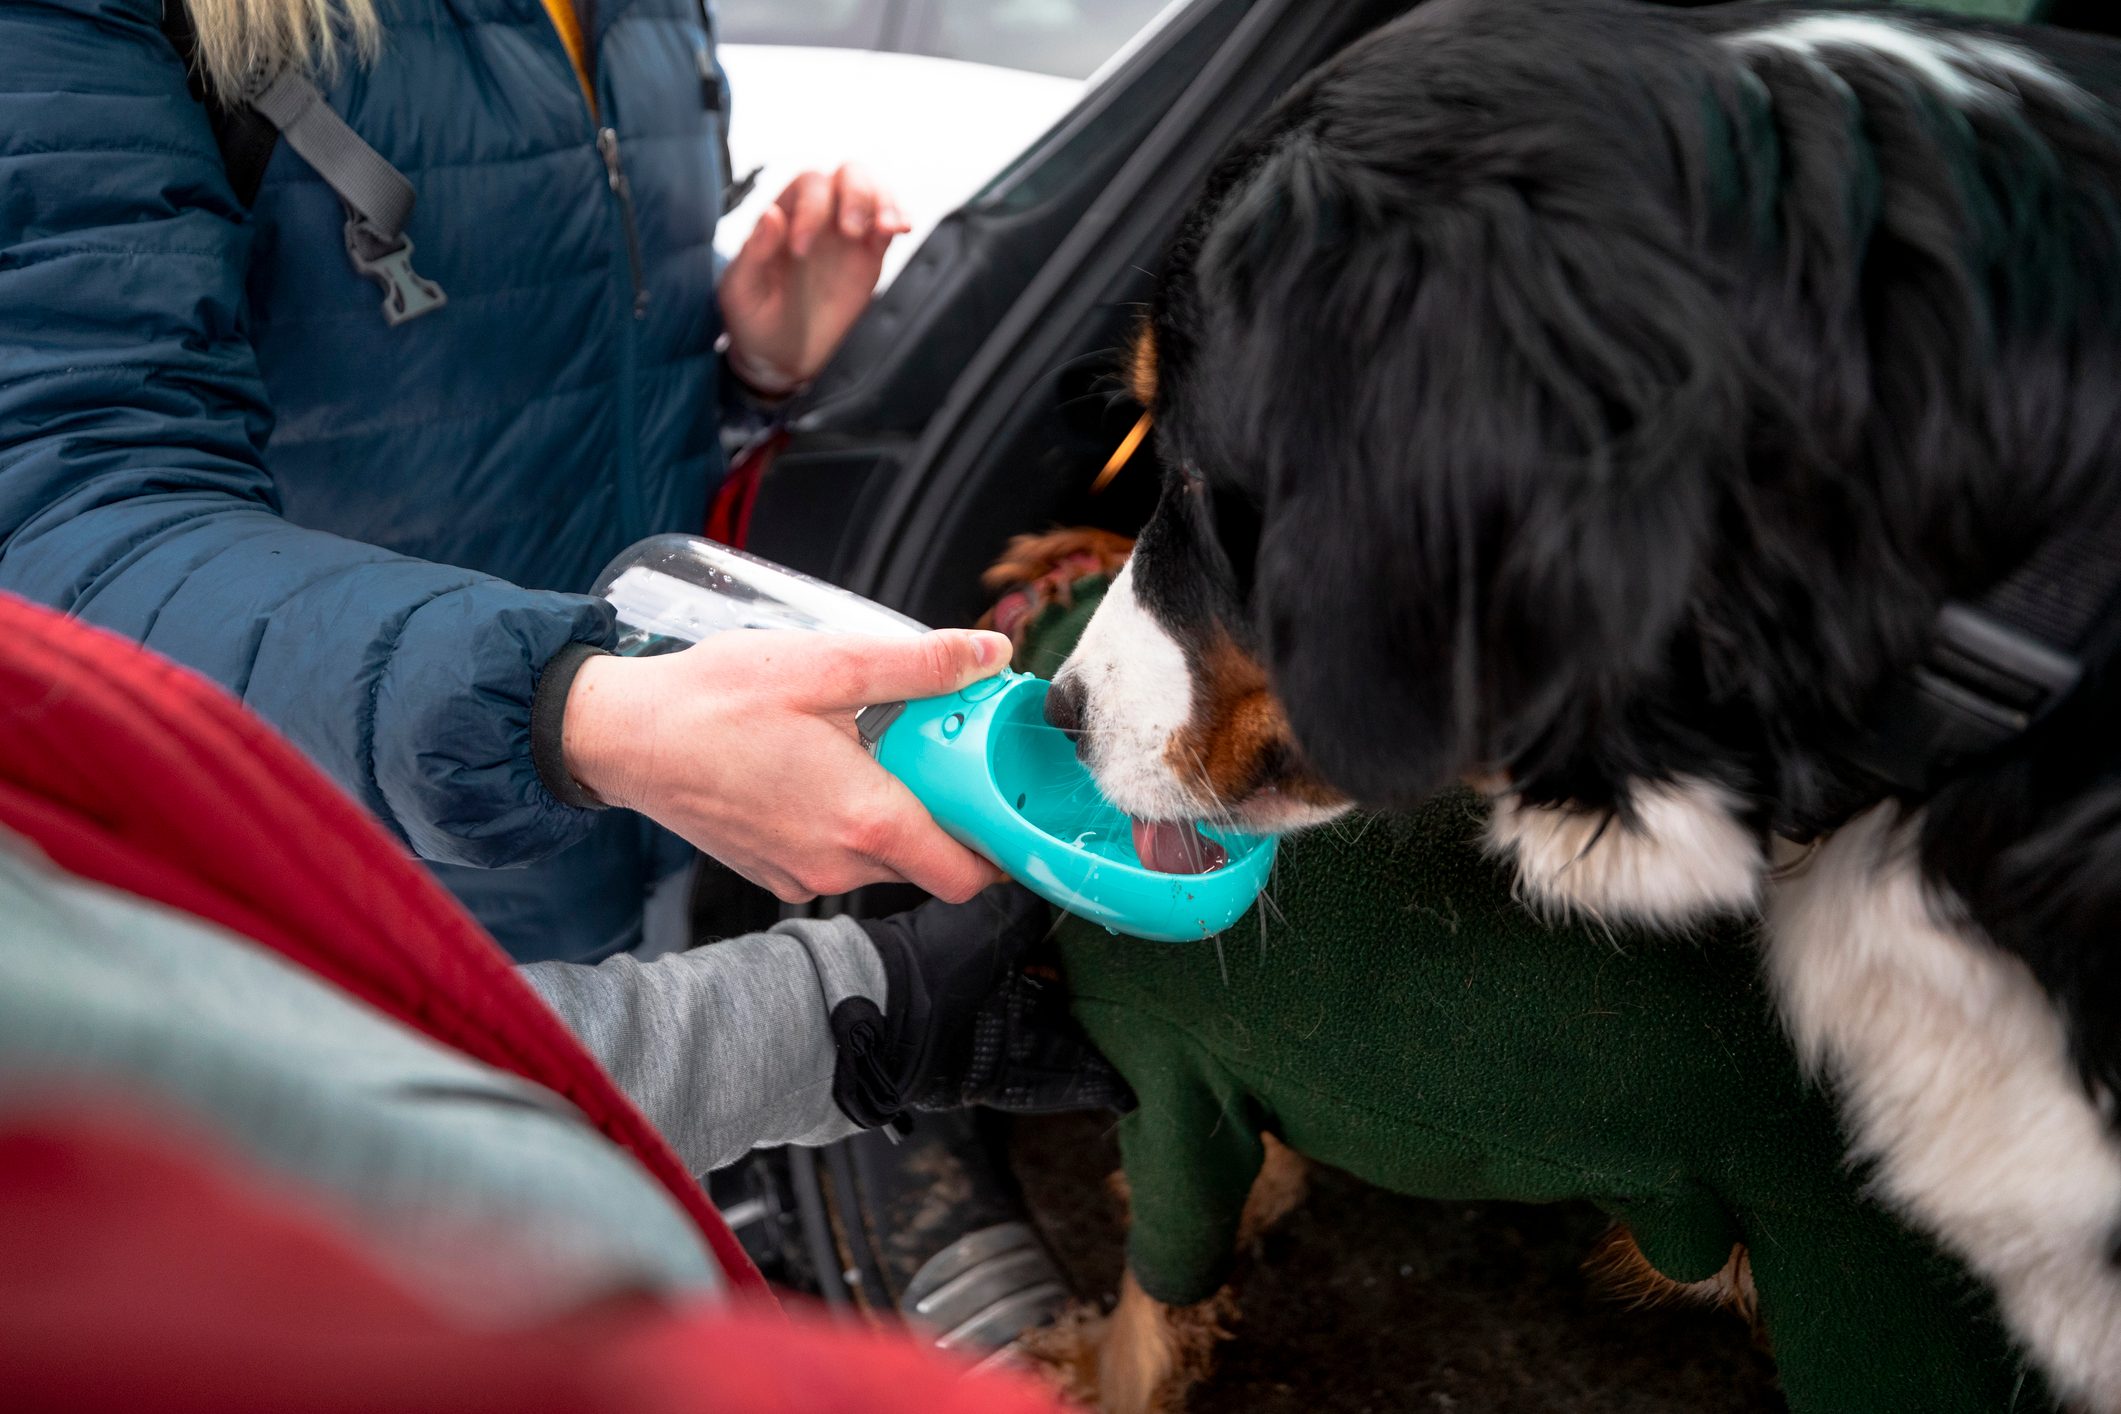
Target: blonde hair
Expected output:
[241,38]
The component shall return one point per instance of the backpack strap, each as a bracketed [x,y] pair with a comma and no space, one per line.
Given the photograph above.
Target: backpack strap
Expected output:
[712,95]
[1998,664]
[245,138]
[377,197]
[288,104]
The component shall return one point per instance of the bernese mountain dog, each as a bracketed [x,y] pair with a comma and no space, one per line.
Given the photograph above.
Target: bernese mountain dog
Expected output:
[1701,428]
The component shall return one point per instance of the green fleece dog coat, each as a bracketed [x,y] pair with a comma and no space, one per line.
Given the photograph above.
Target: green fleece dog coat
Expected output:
[1401,1016]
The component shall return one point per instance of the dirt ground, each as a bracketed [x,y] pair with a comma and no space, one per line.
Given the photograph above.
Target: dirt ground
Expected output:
[1368,1303]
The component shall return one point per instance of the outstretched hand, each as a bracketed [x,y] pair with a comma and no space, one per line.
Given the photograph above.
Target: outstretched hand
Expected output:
[805,275]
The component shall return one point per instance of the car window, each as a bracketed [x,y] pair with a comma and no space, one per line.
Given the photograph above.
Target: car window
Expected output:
[934,98]
[1066,37]
[825,24]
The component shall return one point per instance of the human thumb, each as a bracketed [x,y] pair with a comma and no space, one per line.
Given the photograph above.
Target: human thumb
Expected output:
[872,670]
[750,271]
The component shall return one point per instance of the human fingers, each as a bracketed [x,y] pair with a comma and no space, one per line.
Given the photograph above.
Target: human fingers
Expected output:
[808,202]
[847,671]
[750,270]
[855,196]
[898,834]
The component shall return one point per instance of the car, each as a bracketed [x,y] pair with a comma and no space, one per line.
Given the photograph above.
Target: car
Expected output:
[933,96]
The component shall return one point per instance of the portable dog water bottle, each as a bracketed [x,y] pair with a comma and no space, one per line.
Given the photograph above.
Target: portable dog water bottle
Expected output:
[983,761]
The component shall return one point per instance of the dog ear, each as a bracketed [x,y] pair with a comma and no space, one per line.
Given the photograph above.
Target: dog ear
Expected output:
[1488,437]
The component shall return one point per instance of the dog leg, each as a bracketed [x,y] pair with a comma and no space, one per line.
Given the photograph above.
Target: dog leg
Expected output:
[1284,1179]
[1152,1354]
[1146,1356]
[1954,1075]
[1617,1266]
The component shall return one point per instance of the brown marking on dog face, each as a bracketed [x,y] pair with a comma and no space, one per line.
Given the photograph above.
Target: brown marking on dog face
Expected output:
[1238,726]
[1141,365]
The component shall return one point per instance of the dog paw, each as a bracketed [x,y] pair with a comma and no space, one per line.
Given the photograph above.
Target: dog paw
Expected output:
[1064,1352]
[1142,1358]
[1150,1356]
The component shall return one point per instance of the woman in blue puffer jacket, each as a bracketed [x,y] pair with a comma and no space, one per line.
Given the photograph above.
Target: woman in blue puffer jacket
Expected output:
[212,441]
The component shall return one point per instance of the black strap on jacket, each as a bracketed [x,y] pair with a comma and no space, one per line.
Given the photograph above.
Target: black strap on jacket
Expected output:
[1998,665]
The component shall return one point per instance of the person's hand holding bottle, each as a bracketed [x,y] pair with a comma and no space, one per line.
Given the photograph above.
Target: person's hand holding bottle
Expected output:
[745,744]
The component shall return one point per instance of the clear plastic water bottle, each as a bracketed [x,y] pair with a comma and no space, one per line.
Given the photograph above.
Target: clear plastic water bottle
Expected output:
[982,759]
[671,591]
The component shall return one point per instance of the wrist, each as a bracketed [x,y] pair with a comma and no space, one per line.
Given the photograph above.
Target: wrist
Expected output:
[598,731]
[764,378]
[548,725]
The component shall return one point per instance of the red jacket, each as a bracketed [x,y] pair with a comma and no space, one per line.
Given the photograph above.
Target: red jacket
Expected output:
[142,1268]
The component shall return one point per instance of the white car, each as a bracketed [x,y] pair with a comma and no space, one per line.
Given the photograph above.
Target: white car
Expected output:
[933,96]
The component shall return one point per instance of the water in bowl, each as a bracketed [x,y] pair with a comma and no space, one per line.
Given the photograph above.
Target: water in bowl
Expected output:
[1038,771]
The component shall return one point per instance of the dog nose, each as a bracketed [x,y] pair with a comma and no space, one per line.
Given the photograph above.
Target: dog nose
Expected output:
[1064,705]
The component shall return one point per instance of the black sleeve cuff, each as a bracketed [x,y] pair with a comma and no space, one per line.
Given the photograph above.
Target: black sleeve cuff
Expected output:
[547,709]
[871,1076]
[862,1086]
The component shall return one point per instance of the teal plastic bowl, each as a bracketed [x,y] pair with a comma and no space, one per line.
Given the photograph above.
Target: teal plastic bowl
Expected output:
[1003,782]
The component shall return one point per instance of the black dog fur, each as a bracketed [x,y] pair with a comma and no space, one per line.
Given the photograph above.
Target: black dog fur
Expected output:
[1543,392]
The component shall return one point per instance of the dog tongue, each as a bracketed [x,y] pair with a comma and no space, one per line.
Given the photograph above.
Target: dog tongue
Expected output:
[1175,847]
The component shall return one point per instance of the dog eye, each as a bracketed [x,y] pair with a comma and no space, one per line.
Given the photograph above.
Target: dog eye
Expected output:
[1235,522]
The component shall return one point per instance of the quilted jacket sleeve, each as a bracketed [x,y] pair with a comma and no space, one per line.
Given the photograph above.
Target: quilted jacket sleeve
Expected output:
[133,490]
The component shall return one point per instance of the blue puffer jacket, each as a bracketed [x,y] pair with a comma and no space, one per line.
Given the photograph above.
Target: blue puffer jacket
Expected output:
[211,441]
